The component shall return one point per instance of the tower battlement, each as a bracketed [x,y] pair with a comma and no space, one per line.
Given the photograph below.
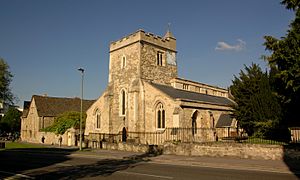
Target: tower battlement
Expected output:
[167,42]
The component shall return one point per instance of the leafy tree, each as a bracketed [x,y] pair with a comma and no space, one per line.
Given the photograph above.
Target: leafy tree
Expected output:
[5,78]
[11,122]
[257,109]
[285,65]
[65,121]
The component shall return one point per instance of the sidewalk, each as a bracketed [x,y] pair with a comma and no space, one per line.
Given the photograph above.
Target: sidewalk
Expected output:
[227,163]
[278,166]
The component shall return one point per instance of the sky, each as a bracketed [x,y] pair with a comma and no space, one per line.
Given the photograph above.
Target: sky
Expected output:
[45,41]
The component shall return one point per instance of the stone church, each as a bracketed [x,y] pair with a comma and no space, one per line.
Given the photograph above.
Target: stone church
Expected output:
[144,95]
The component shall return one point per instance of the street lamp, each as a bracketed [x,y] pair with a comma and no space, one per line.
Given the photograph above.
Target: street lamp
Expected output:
[80,124]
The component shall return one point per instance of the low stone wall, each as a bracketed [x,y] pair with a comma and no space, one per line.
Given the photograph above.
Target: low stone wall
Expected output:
[132,147]
[249,151]
[238,150]
[49,138]
[68,138]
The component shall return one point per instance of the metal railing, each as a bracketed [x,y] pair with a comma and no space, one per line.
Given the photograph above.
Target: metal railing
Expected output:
[189,135]
[104,137]
[159,137]
[295,134]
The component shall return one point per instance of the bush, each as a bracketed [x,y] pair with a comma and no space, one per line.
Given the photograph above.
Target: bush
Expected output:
[65,121]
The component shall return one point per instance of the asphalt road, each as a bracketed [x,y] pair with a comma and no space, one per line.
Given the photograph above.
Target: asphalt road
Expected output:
[50,164]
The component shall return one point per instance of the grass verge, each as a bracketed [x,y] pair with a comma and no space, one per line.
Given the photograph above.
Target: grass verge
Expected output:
[20,145]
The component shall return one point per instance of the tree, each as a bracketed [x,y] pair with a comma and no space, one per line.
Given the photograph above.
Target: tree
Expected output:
[11,122]
[257,109]
[5,78]
[285,65]
[65,121]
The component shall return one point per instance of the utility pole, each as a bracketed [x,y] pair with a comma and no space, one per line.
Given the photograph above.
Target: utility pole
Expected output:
[80,125]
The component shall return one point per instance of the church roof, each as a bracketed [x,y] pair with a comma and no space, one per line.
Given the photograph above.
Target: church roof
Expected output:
[225,120]
[193,96]
[53,106]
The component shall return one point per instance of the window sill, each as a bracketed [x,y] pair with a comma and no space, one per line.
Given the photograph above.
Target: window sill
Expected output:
[160,129]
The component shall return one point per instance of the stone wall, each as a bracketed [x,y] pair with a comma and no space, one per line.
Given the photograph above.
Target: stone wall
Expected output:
[243,151]
[247,151]
[68,138]
[121,79]
[30,124]
[152,98]
[149,68]
[125,147]
[103,106]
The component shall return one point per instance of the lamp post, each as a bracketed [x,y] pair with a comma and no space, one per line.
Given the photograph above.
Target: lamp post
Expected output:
[80,125]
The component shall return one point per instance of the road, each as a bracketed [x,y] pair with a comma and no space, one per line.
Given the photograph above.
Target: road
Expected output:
[53,164]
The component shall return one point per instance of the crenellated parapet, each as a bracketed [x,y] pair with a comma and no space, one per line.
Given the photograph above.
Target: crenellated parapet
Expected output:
[167,42]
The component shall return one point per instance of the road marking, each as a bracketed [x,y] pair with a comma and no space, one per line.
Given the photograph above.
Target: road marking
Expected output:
[64,164]
[142,174]
[15,176]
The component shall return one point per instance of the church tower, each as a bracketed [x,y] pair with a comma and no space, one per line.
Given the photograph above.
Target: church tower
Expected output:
[143,55]
[134,59]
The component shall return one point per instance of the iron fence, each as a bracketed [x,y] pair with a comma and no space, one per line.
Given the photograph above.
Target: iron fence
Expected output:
[258,140]
[188,135]
[104,137]
[166,135]
[174,135]
[295,134]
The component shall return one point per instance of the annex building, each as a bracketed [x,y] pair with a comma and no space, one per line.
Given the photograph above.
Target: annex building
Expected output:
[145,97]
[41,112]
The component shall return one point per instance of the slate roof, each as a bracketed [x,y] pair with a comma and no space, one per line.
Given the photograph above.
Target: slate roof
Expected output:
[53,106]
[225,120]
[193,96]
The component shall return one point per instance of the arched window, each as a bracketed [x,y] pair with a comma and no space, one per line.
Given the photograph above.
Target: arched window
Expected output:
[159,58]
[123,62]
[98,119]
[194,122]
[212,119]
[161,116]
[122,102]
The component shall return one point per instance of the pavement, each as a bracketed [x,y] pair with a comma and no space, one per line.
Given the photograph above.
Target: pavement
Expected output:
[226,163]
[278,166]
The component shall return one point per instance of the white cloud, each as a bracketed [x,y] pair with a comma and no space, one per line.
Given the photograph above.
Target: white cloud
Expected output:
[223,46]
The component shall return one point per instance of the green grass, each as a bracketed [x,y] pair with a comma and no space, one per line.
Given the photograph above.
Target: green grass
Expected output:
[20,145]
[254,140]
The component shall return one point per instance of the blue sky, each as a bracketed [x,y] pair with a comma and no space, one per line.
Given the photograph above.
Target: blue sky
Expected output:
[44,42]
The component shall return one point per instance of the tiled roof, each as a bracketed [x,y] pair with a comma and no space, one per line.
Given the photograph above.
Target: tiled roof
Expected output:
[26,106]
[25,112]
[193,96]
[53,106]
[225,120]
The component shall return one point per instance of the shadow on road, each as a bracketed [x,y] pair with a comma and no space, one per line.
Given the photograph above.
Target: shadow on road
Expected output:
[15,161]
[103,167]
[292,158]
[55,163]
